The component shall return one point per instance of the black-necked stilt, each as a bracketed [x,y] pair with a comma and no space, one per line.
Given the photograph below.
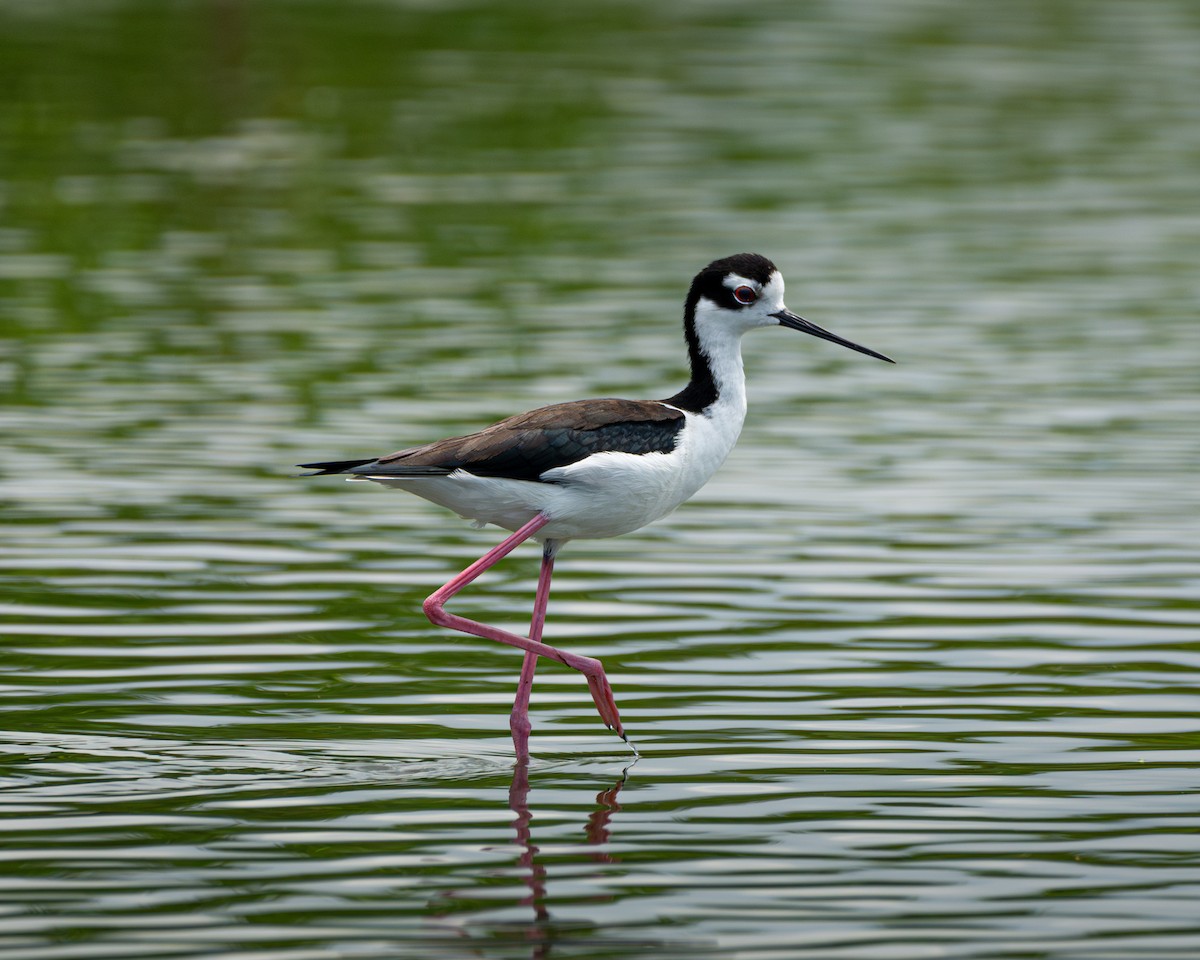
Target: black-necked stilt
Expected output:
[596,468]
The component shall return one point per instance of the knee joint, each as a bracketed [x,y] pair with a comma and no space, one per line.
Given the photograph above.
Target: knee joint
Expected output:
[433,609]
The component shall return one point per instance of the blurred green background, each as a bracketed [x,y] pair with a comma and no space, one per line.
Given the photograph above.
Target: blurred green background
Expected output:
[914,674]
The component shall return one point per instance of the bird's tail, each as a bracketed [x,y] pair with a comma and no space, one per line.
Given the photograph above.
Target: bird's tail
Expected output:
[332,466]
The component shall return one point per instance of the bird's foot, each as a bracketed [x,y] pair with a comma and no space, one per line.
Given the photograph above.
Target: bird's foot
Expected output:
[602,695]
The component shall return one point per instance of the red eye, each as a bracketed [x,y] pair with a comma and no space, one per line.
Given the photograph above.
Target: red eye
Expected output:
[745,294]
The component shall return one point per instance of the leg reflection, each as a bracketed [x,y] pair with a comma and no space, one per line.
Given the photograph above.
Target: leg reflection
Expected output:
[518,802]
[596,830]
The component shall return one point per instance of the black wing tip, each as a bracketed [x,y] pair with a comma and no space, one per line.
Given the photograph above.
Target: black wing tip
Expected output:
[377,469]
[332,466]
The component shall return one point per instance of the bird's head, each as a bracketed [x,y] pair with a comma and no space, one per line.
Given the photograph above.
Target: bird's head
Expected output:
[745,291]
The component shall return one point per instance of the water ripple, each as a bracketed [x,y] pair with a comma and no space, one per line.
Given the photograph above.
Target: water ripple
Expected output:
[914,676]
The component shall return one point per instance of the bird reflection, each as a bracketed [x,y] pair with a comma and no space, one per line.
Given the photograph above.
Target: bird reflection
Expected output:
[596,831]
[542,932]
[535,878]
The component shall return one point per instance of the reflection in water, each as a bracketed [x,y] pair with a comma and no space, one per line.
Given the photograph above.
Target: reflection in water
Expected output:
[544,931]
[518,802]
[919,667]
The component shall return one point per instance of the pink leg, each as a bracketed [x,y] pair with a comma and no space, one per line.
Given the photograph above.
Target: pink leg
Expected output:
[518,721]
[593,670]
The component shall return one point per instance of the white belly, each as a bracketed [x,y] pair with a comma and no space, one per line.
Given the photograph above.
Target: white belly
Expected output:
[604,495]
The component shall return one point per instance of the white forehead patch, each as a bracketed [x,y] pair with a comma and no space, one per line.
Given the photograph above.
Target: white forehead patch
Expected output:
[774,282]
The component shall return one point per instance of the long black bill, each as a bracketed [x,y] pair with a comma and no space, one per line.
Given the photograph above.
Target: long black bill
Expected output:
[788,319]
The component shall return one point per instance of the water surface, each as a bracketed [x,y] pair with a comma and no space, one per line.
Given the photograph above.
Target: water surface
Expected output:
[914,676]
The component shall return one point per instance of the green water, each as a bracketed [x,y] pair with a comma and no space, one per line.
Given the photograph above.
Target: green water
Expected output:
[915,676]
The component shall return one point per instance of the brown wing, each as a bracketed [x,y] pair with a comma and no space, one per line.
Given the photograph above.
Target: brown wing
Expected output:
[525,446]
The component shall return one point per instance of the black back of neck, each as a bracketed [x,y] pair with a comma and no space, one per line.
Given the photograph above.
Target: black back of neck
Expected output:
[702,390]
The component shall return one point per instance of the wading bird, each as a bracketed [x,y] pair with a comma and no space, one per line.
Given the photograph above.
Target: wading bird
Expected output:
[596,468]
